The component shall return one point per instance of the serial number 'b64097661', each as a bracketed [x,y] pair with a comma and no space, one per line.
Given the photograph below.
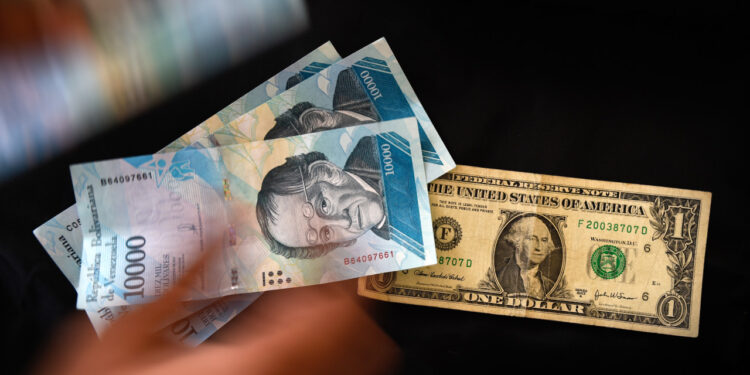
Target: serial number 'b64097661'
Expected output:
[122,179]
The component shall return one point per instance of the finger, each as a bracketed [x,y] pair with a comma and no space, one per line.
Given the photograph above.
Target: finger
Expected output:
[325,331]
[149,318]
[321,329]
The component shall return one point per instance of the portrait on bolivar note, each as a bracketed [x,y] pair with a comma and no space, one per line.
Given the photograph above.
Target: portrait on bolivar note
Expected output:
[309,206]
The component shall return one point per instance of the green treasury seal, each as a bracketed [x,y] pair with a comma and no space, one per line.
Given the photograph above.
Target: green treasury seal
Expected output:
[608,262]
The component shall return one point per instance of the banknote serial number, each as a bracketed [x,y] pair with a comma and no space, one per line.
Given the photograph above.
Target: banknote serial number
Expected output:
[455,262]
[612,227]
[369,257]
[123,179]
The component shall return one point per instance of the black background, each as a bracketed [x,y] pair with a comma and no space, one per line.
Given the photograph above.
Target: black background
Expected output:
[632,92]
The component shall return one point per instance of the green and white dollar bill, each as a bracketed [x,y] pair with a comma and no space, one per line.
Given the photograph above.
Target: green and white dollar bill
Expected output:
[61,236]
[591,252]
[288,212]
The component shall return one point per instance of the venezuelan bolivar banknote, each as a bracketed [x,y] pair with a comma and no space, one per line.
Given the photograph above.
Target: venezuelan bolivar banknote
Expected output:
[311,64]
[366,86]
[600,253]
[61,236]
[289,212]
[197,320]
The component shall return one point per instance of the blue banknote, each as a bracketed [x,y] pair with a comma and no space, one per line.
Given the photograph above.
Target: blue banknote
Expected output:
[311,64]
[61,236]
[287,212]
[367,86]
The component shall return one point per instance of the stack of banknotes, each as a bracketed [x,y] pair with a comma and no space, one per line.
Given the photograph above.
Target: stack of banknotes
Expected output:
[332,170]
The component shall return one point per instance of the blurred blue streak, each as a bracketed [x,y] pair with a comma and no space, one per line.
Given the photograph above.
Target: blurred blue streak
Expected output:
[69,69]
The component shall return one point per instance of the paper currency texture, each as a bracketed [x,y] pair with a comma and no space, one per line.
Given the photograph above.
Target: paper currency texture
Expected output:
[306,67]
[600,253]
[289,212]
[61,236]
[366,86]
[197,321]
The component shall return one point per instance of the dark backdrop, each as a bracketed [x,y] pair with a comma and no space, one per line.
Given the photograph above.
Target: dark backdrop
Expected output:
[631,92]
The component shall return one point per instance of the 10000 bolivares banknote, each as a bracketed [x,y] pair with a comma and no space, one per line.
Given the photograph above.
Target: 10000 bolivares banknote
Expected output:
[61,236]
[198,320]
[306,67]
[289,212]
[600,253]
[366,86]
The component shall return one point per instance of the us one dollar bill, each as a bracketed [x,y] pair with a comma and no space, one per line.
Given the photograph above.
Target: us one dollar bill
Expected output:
[61,236]
[365,87]
[289,212]
[600,253]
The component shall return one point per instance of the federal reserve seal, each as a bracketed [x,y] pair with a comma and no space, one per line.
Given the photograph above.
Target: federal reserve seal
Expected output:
[608,262]
[447,233]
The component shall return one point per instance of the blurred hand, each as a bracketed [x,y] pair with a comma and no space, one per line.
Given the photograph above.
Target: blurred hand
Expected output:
[314,330]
